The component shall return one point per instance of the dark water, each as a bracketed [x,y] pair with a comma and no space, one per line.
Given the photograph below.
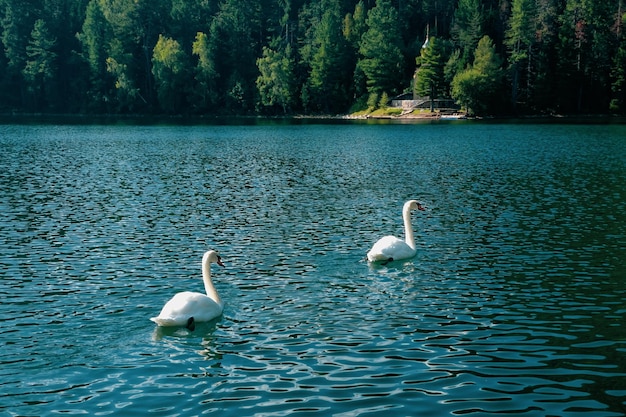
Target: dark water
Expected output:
[514,305]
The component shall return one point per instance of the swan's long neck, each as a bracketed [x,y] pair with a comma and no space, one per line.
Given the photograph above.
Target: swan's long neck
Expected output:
[408,227]
[211,292]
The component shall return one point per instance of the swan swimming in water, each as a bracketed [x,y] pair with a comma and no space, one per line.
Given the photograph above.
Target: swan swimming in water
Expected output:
[186,308]
[390,248]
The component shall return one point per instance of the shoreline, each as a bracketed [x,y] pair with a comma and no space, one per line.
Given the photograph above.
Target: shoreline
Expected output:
[143,119]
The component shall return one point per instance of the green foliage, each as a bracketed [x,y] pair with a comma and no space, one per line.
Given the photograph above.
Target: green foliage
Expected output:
[40,67]
[486,60]
[384,100]
[520,39]
[276,82]
[232,45]
[467,89]
[477,88]
[372,101]
[170,68]
[354,25]
[381,50]
[586,51]
[18,19]
[93,38]
[126,93]
[618,72]
[133,26]
[205,90]
[467,27]
[277,56]
[522,30]
[429,78]
[328,82]
[453,66]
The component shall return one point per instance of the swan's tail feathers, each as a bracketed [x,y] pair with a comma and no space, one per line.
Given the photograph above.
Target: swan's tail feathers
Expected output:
[166,322]
[191,324]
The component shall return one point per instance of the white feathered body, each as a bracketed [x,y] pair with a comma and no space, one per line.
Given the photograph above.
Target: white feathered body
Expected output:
[390,247]
[187,304]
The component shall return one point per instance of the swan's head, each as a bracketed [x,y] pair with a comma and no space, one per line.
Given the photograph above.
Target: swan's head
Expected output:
[414,205]
[211,256]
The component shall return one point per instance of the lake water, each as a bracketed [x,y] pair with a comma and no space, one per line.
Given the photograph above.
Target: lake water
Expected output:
[514,305]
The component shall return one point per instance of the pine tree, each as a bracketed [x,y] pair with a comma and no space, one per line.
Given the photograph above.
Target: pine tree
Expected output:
[478,87]
[354,25]
[618,87]
[17,18]
[40,68]
[233,47]
[520,38]
[381,50]
[94,37]
[429,77]
[328,84]
[586,47]
[467,28]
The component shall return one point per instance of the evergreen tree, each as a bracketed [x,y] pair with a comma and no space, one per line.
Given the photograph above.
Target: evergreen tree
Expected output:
[438,14]
[40,68]
[135,28]
[545,73]
[478,87]
[205,91]
[429,77]
[170,68]
[586,46]
[520,38]
[354,25]
[188,17]
[94,38]
[381,50]
[467,27]
[276,82]
[562,55]
[618,87]
[16,24]
[18,19]
[453,66]
[233,47]
[328,85]
[64,19]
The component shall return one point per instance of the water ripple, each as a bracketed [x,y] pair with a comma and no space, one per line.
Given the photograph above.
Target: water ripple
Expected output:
[514,304]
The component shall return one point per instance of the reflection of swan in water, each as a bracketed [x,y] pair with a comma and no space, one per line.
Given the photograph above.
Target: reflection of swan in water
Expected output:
[187,308]
[390,248]
[201,329]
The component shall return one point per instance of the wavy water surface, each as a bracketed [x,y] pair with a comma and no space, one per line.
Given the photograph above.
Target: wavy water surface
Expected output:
[514,304]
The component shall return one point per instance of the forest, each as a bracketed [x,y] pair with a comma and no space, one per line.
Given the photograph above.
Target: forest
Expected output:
[310,57]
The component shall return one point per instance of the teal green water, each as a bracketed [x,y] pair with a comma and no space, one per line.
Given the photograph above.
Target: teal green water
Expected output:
[514,305]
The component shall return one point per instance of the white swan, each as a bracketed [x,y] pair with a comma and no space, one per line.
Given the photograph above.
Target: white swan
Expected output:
[187,308]
[390,248]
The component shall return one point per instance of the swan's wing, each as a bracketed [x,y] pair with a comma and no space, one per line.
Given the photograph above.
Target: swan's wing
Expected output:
[390,247]
[168,322]
[187,304]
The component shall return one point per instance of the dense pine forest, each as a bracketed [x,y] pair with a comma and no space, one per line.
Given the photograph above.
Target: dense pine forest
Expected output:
[273,57]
